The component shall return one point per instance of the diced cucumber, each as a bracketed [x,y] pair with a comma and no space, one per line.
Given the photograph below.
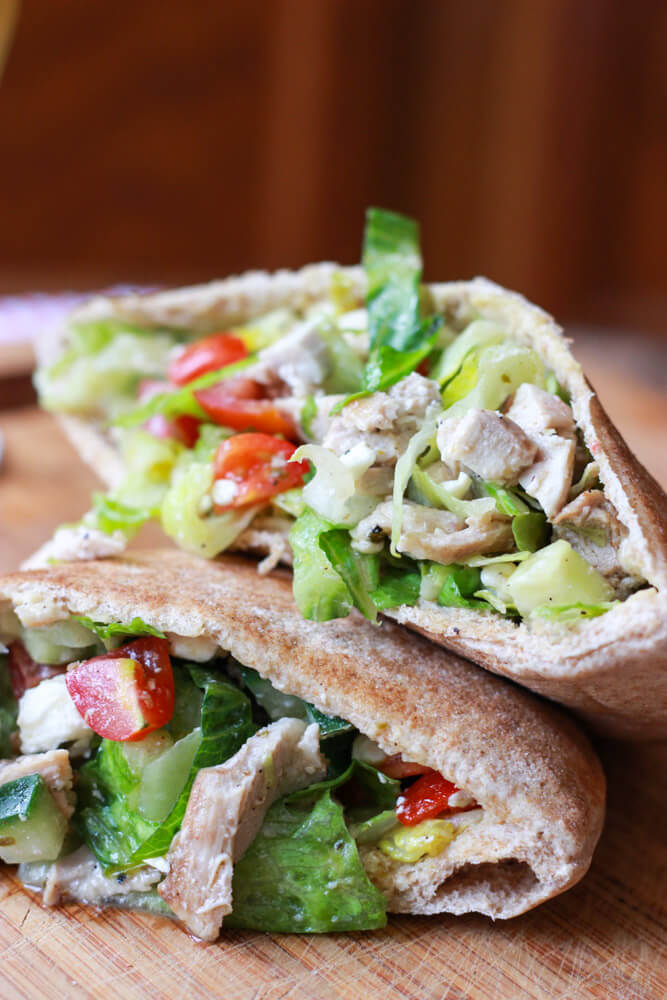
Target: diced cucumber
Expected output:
[163,779]
[32,827]
[61,642]
[557,576]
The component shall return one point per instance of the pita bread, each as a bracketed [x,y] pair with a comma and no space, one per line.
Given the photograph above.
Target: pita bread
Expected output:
[536,777]
[613,669]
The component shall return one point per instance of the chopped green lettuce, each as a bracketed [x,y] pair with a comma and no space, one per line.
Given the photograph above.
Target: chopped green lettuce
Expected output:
[501,370]
[114,633]
[477,335]
[101,371]
[531,531]
[302,874]
[417,445]
[571,614]
[319,591]
[458,586]
[182,519]
[109,514]
[359,573]
[507,500]
[308,414]
[397,586]
[441,496]
[148,462]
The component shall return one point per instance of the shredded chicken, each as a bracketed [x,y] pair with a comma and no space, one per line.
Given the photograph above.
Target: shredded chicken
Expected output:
[225,810]
[385,421]
[53,766]
[79,876]
[590,524]
[427,533]
[490,445]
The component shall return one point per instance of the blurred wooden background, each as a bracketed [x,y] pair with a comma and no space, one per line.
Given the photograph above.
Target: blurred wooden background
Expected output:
[162,141]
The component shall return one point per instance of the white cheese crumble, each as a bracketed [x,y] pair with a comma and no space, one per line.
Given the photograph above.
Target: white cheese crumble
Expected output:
[48,717]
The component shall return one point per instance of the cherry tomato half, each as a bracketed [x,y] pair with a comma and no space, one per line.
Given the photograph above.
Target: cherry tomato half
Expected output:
[258,467]
[127,693]
[427,798]
[206,355]
[225,407]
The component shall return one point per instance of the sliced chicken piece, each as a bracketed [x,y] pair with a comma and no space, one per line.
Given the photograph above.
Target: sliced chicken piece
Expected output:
[590,524]
[301,360]
[79,876]
[487,443]
[385,421]
[225,810]
[549,479]
[536,411]
[73,544]
[427,533]
[54,766]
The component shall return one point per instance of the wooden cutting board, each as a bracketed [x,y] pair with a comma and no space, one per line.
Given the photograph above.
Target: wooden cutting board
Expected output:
[606,938]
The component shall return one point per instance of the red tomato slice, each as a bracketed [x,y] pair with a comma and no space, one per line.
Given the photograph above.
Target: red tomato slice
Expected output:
[206,355]
[396,767]
[242,414]
[127,693]
[184,428]
[24,672]
[258,465]
[427,798]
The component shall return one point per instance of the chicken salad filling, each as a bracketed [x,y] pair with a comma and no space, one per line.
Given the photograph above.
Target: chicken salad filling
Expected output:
[409,456]
[195,789]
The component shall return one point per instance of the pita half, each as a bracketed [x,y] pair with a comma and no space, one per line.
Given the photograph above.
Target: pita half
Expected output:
[538,786]
[609,667]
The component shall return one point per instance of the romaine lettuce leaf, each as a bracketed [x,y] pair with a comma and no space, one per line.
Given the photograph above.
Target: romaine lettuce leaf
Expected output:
[477,335]
[459,583]
[302,873]
[116,632]
[531,531]
[182,519]
[109,515]
[571,614]
[359,573]
[399,337]
[318,590]
[397,586]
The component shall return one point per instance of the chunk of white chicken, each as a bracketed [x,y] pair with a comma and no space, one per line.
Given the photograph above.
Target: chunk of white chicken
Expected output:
[591,526]
[385,421]
[225,810]
[550,477]
[536,411]
[54,767]
[79,877]
[75,544]
[301,360]
[489,444]
[427,533]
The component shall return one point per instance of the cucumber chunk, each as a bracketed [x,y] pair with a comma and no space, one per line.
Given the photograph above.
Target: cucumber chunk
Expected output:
[163,778]
[32,827]
[556,576]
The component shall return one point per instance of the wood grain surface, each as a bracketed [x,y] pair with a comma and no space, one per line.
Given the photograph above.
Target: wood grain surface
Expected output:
[606,938]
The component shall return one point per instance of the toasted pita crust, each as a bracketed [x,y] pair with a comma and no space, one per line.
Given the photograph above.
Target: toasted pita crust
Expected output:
[539,782]
[612,670]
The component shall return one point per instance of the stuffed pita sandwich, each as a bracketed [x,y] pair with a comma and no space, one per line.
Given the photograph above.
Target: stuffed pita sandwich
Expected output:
[467,481]
[192,746]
